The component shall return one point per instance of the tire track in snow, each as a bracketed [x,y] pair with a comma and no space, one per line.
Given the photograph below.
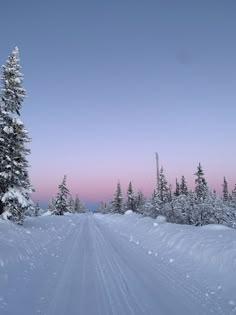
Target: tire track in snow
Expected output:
[113,282]
[61,291]
[87,268]
[170,277]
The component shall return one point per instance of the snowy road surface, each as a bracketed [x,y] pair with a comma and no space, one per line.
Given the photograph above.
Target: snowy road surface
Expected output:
[78,265]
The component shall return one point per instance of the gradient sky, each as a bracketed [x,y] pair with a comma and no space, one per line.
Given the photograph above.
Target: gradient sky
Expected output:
[111,82]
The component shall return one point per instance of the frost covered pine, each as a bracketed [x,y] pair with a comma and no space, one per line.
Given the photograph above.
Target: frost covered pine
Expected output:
[117,203]
[104,207]
[71,204]
[205,203]
[182,209]
[177,188]
[37,209]
[155,204]
[183,186]
[201,188]
[51,205]
[79,206]
[225,190]
[61,201]
[15,188]
[130,204]
[163,188]
[233,197]
[139,201]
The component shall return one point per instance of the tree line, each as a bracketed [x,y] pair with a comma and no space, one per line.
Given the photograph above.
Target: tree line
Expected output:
[183,206]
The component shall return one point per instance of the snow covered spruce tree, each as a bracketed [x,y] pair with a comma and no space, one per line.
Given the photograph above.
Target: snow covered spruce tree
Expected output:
[79,207]
[233,197]
[37,209]
[103,208]
[163,188]
[15,188]
[177,188]
[117,203]
[181,204]
[204,202]
[70,204]
[130,204]
[225,191]
[153,207]
[140,201]
[51,205]
[163,194]
[61,201]
[183,186]
[201,185]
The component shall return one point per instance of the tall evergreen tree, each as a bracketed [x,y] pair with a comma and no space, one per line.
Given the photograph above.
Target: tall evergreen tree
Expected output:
[51,205]
[164,191]
[70,204]
[170,193]
[79,207]
[155,203]
[130,198]
[36,209]
[61,201]
[183,186]
[103,208]
[177,188]
[233,197]
[117,204]
[15,188]
[201,188]
[225,191]
[139,201]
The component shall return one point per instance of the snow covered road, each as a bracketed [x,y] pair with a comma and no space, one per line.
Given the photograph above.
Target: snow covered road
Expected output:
[78,265]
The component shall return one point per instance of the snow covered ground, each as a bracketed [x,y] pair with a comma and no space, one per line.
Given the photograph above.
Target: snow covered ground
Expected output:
[113,264]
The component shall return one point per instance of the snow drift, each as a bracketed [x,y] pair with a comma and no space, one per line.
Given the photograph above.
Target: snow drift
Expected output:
[206,254]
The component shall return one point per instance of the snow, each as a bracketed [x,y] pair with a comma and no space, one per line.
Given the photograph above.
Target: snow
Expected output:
[215,227]
[17,80]
[160,219]
[47,213]
[18,121]
[8,130]
[5,215]
[15,193]
[115,264]
[4,174]
[206,255]
[128,212]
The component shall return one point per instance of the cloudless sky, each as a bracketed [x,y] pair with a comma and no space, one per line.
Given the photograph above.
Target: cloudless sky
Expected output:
[111,82]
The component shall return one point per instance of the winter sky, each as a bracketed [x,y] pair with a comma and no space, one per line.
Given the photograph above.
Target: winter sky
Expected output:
[111,82]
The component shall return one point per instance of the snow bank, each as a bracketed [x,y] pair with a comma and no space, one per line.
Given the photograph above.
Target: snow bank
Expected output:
[206,254]
[210,245]
[128,212]
[215,227]
[28,242]
[160,219]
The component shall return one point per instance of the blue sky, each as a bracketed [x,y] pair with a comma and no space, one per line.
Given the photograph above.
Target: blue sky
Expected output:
[111,82]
